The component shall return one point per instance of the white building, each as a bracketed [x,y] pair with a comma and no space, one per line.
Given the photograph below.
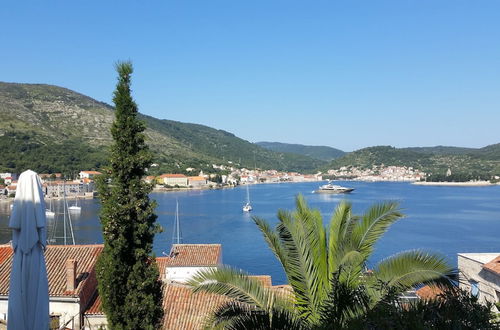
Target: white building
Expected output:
[89,174]
[185,260]
[479,273]
[174,180]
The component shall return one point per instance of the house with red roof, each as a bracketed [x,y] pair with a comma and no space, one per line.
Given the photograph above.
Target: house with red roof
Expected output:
[479,273]
[71,277]
[173,180]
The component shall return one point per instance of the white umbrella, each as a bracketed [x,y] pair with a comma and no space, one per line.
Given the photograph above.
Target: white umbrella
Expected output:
[29,289]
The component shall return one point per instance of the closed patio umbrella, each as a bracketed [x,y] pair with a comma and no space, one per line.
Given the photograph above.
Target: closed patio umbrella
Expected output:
[28,293]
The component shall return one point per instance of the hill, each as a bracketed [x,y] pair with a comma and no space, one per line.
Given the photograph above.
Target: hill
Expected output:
[484,162]
[317,152]
[50,129]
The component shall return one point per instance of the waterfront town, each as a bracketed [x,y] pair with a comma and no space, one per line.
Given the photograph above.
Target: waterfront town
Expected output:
[55,186]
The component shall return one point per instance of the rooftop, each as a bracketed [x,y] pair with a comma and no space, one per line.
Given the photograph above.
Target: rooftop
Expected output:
[55,259]
[187,310]
[480,257]
[185,255]
[493,265]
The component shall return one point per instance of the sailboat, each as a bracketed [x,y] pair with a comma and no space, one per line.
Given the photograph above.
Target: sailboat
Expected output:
[48,212]
[247,207]
[68,234]
[75,208]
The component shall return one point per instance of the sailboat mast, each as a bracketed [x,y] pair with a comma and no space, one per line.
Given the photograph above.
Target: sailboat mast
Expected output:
[176,235]
[65,207]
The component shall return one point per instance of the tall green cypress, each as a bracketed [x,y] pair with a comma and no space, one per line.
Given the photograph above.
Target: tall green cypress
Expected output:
[128,277]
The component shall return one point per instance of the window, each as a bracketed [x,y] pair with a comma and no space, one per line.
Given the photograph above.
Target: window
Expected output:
[474,288]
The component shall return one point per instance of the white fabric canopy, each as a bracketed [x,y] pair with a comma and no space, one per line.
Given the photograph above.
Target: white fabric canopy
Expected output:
[29,289]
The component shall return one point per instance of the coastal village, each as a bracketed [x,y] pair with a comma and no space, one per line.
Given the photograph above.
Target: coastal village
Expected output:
[84,186]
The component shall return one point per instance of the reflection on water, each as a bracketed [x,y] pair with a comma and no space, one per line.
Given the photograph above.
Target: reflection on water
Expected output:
[444,219]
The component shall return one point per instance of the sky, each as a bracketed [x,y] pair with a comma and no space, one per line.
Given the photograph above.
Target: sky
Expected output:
[347,74]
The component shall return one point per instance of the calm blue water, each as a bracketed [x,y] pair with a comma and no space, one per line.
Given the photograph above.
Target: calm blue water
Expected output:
[443,219]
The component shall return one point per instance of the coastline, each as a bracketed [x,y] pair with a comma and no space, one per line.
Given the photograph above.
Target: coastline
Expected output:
[456,184]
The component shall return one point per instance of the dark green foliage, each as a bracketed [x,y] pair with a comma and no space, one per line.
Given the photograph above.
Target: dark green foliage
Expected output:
[316,152]
[127,273]
[225,146]
[51,115]
[457,177]
[482,163]
[453,310]
[22,151]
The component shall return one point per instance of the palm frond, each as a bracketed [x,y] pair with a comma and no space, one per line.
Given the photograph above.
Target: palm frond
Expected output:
[236,316]
[337,230]
[373,225]
[234,284]
[273,241]
[407,269]
[344,304]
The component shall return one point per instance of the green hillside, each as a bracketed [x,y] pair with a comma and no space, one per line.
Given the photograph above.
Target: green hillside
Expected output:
[484,162]
[51,129]
[317,152]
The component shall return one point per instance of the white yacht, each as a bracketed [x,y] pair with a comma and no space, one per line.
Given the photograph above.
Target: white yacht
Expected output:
[331,188]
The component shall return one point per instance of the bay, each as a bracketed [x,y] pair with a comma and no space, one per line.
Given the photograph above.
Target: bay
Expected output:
[447,220]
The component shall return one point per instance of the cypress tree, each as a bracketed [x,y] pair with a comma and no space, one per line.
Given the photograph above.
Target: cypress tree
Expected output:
[128,277]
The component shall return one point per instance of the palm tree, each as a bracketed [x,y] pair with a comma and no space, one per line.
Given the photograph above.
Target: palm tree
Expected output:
[326,268]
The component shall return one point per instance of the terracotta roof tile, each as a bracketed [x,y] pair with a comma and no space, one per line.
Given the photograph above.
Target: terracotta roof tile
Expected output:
[95,306]
[187,310]
[55,259]
[493,265]
[429,292]
[182,255]
[162,264]
[265,279]
[173,176]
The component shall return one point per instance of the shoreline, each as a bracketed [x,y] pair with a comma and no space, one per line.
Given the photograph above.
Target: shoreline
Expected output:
[456,184]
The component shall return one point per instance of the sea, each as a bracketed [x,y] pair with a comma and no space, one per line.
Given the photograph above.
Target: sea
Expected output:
[446,220]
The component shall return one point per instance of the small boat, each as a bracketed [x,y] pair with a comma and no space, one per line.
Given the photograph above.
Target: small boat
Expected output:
[75,208]
[331,188]
[48,212]
[247,207]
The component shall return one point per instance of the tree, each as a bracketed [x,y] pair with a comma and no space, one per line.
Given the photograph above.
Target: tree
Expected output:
[327,268]
[128,277]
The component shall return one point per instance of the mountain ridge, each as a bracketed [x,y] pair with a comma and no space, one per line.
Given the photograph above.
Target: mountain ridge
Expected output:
[325,153]
[35,116]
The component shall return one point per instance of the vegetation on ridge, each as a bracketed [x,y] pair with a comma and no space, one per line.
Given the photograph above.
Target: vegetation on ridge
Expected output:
[317,152]
[50,116]
[477,164]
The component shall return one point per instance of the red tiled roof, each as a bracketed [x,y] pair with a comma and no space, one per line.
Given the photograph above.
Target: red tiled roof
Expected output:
[55,259]
[429,292]
[95,306]
[182,255]
[172,176]
[493,265]
[187,310]
[162,263]
[91,172]
[265,279]
[196,178]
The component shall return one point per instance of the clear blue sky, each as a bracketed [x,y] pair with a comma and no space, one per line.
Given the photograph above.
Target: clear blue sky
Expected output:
[347,74]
